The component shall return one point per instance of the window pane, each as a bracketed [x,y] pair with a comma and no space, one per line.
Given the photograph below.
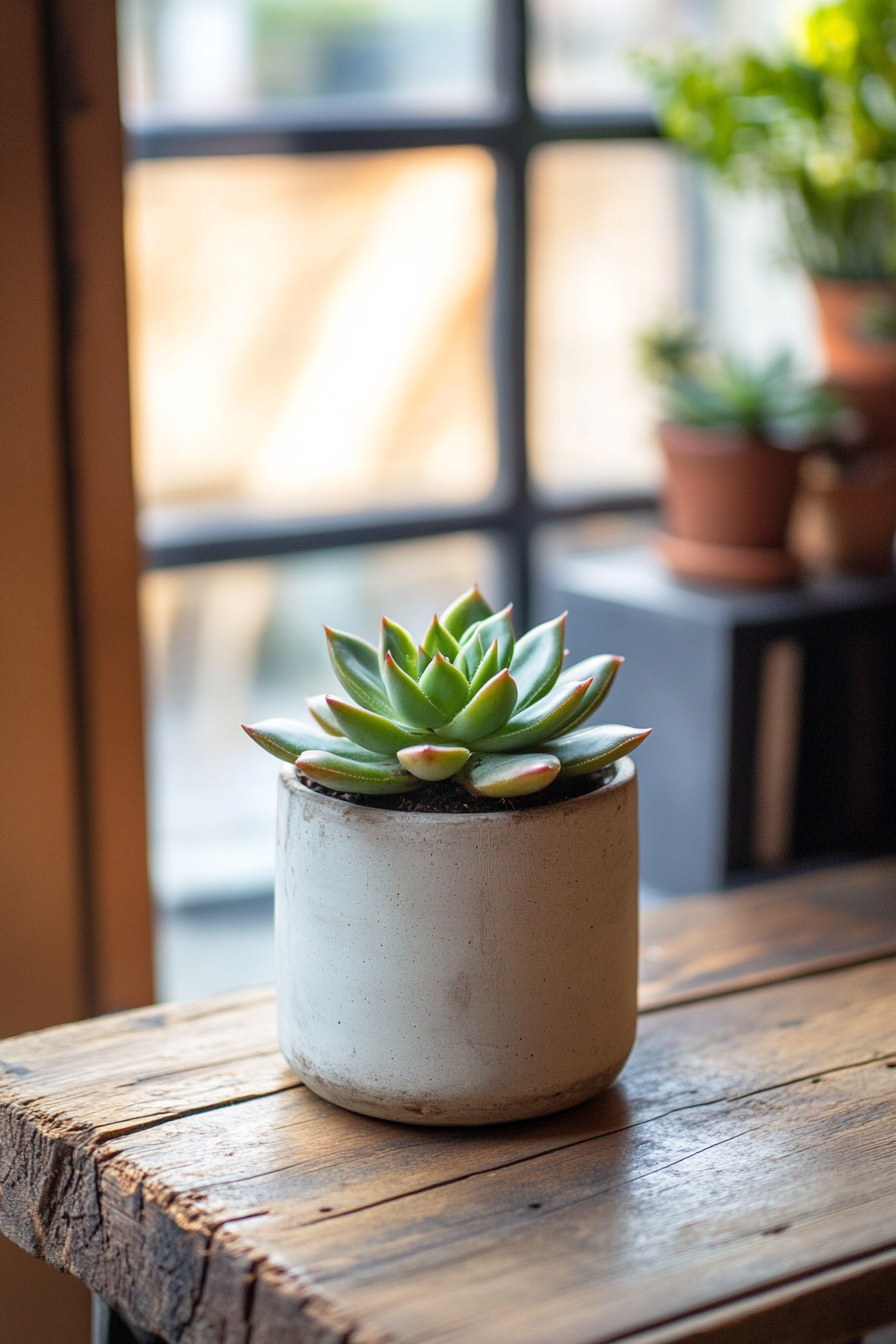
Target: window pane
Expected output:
[758,300]
[202,60]
[555,543]
[312,334]
[234,643]
[581,49]
[607,258]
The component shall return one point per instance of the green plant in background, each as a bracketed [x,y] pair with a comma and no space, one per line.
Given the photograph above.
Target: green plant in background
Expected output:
[768,400]
[470,701]
[817,126]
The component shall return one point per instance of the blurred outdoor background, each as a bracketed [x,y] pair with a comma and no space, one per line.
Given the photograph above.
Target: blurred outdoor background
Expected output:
[312,335]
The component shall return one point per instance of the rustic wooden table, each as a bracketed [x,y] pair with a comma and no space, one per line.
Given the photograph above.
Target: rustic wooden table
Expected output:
[738,1184]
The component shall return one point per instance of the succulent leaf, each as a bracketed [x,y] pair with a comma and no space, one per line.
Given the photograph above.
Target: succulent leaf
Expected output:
[468,702]
[489,708]
[445,686]
[411,704]
[537,660]
[357,665]
[322,714]
[432,762]
[470,607]
[488,668]
[396,640]
[602,670]
[287,739]
[499,776]
[532,725]
[499,627]
[373,731]
[590,667]
[438,640]
[470,654]
[591,748]
[379,775]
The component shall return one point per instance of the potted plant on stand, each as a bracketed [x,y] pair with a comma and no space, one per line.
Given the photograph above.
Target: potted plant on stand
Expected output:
[457,867]
[845,513]
[732,437]
[817,127]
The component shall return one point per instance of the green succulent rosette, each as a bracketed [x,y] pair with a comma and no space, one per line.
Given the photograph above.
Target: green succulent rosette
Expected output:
[470,701]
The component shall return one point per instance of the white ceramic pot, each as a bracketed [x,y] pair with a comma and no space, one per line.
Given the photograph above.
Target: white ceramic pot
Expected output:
[457,969]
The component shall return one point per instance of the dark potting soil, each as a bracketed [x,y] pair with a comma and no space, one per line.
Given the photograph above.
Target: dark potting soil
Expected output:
[449,796]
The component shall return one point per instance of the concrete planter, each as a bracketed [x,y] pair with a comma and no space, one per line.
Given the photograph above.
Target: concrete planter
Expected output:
[456,970]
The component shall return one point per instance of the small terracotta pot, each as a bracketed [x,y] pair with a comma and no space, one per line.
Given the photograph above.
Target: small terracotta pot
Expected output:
[860,367]
[846,523]
[728,498]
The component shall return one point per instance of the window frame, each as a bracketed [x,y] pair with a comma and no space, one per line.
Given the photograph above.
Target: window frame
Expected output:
[181,535]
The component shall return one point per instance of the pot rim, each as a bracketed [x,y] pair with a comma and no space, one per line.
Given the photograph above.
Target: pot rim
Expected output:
[625,773]
[855,283]
[702,445]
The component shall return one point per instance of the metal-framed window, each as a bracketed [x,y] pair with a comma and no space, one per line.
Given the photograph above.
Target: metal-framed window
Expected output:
[515,128]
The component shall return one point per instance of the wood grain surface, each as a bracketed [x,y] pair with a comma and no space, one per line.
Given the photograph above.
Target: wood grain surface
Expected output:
[698,945]
[738,1185]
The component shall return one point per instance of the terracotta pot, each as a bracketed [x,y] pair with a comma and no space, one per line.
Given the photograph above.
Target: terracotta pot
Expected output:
[861,368]
[846,523]
[728,498]
[457,969]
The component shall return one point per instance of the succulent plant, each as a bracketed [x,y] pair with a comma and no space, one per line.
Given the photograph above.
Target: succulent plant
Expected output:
[723,392]
[469,701]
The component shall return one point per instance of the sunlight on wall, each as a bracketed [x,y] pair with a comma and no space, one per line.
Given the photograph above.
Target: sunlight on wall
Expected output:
[607,259]
[311,334]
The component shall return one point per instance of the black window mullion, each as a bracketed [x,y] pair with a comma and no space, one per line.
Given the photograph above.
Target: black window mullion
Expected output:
[509,355]
[267,134]
[509,313]
[174,536]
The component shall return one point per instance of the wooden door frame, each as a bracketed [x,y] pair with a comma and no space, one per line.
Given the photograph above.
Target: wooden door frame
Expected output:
[75,929]
[87,159]
[75,915]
